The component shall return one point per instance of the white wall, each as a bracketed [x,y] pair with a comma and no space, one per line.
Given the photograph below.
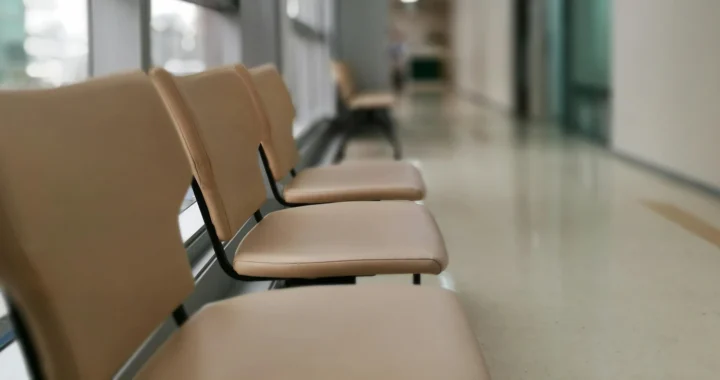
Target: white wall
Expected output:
[362,41]
[666,85]
[483,49]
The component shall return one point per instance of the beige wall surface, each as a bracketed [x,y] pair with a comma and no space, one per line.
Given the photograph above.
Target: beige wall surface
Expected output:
[362,41]
[666,85]
[483,49]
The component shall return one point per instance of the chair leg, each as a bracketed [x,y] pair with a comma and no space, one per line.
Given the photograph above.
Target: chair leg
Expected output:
[389,129]
[417,280]
[299,282]
[348,127]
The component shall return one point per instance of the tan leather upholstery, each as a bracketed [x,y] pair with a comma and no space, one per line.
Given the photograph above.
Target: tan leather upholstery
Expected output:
[357,181]
[343,78]
[325,333]
[216,116]
[358,100]
[276,104]
[91,180]
[343,239]
[372,101]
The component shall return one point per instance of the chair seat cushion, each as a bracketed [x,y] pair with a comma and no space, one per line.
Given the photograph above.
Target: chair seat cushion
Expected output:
[372,100]
[325,333]
[343,239]
[357,181]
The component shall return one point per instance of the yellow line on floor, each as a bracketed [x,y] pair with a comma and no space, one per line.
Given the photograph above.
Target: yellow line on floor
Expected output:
[686,220]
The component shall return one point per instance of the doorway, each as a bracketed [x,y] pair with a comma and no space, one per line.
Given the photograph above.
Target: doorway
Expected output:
[587,82]
[562,64]
[522,58]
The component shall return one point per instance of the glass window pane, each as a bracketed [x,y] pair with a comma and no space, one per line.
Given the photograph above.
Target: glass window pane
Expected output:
[6,335]
[308,74]
[43,43]
[177,36]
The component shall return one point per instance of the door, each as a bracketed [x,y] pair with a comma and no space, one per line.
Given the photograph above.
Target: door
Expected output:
[587,90]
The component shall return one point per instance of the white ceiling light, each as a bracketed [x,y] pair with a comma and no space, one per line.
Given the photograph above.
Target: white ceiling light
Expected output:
[409,1]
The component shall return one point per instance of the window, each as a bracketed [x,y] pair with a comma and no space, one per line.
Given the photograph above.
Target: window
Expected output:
[177,36]
[5,333]
[306,30]
[43,43]
[190,220]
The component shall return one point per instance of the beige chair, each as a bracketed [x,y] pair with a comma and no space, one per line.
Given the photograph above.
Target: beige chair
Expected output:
[353,99]
[354,181]
[360,109]
[221,126]
[91,179]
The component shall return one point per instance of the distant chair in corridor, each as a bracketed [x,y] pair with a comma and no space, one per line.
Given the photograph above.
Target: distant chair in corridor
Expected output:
[362,180]
[360,109]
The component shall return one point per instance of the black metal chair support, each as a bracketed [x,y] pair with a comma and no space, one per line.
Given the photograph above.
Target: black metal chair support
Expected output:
[324,281]
[217,245]
[417,279]
[273,184]
[219,249]
[389,128]
[180,315]
[22,336]
[378,118]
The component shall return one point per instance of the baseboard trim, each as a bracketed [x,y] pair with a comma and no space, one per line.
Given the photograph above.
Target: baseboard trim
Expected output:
[667,173]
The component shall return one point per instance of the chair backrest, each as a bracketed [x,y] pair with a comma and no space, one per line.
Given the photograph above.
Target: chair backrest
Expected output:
[215,113]
[343,78]
[92,176]
[275,103]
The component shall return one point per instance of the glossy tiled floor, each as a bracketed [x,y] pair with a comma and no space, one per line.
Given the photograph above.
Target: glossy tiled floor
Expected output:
[564,271]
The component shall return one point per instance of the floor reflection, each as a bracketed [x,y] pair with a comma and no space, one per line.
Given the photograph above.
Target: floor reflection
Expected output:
[563,271]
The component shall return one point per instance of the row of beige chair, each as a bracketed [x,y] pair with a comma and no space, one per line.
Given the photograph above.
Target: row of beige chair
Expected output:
[91,177]
[223,118]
